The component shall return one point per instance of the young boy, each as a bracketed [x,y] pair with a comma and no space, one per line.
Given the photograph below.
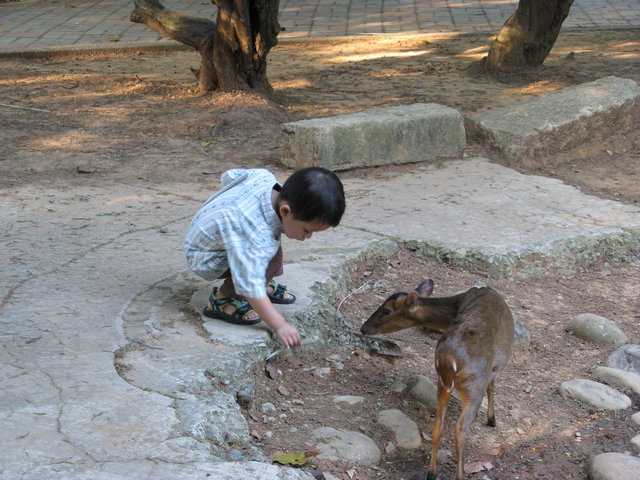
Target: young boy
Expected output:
[235,236]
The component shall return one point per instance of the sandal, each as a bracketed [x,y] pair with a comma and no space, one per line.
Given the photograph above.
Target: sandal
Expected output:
[237,317]
[278,293]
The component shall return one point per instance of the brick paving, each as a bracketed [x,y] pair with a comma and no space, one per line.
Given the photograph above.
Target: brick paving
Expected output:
[44,24]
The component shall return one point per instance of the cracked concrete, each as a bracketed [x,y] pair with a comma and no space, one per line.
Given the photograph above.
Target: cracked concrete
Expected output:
[105,374]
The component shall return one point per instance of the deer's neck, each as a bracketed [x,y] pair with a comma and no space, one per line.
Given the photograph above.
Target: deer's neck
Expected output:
[439,313]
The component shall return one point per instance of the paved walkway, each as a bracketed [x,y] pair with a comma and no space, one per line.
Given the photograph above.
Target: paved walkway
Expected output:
[82,289]
[40,24]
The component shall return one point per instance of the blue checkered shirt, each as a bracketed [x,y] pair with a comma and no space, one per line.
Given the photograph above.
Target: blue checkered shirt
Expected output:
[236,228]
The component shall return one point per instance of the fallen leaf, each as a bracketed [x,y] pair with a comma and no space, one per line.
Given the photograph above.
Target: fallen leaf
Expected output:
[206,144]
[113,39]
[475,467]
[283,391]
[272,370]
[289,458]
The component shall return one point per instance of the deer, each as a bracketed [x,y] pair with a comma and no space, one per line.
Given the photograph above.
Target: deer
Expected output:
[474,348]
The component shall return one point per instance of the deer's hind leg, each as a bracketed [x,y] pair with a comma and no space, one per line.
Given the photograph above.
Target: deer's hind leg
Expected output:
[444,395]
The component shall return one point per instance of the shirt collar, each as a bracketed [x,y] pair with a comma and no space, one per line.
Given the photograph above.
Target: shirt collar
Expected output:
[273,219]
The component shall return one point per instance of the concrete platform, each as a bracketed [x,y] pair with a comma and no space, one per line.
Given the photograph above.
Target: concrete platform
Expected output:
[104,376]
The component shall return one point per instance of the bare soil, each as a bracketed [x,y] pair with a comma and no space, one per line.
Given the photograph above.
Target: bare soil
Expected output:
[102,119]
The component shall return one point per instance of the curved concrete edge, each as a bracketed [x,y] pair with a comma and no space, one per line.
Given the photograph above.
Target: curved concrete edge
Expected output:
[157,470]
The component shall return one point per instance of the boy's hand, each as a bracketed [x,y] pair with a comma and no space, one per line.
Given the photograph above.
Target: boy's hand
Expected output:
[289,335]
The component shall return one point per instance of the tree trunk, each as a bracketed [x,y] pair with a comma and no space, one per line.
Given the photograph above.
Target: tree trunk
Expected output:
[528,35]
[233,50]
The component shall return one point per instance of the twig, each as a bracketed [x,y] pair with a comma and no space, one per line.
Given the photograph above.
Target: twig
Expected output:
[25,108]
[352,293]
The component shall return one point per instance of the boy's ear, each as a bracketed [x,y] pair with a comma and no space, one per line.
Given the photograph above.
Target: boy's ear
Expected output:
[284,209]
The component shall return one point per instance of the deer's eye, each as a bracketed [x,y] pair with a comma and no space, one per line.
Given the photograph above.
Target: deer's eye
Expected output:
[386,311]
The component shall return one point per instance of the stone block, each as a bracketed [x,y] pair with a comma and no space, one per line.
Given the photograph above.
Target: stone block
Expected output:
[404,134]
[534,128]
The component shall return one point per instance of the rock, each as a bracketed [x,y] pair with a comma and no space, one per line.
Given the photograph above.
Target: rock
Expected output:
[404,429]
[214,419]
[235,455]
[350,399]
[322,372]
[619,377]
[397,385]
[346,446]
[328,476]
[614,466]
[596,329]
[635,442]
[626,358]
[595,394]
[423,390]
[635,418]
[383,136]
[522,337]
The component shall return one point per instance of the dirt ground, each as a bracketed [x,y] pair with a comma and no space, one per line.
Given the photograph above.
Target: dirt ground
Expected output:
[105,119]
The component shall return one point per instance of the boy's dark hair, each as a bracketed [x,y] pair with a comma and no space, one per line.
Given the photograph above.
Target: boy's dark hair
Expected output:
[314,194]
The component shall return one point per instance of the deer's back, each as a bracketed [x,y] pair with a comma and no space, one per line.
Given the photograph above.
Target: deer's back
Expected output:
[482,332]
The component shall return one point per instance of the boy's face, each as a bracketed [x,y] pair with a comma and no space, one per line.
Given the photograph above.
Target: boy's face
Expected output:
[299,229]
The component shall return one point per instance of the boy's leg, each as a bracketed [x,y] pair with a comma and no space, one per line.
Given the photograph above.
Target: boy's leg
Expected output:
[277,293]
[227,289]
[274,268]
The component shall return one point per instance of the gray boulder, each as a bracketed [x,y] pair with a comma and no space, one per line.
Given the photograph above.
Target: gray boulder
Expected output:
[626,358]
[596,329]
[595,394]
[614,466]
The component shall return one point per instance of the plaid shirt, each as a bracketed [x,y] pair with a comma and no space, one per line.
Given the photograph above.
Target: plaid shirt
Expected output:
[237,229]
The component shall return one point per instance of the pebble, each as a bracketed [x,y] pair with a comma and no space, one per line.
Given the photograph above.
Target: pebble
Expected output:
[626,358]
[404,429]
[619,377]
[350,399]
[235,455]
[595,394]
[322,372]
[596,329]
[614,466]
[346,446]
[423,390]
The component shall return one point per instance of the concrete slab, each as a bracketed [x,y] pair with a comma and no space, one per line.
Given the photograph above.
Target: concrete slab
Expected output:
[477,213]
[105,375]
[384,136]
[534,128]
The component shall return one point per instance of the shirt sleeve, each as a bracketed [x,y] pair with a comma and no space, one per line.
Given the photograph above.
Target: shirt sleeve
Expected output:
[248,260]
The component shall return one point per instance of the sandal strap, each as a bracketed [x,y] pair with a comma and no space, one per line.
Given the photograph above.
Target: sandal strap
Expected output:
[278,289]
[218,303]
[242,307]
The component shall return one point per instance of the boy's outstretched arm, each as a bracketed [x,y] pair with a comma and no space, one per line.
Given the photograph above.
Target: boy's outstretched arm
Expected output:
[287,333]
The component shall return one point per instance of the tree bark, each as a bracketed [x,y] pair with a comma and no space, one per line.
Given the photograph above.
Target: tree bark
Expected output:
[528,35]
[233,49]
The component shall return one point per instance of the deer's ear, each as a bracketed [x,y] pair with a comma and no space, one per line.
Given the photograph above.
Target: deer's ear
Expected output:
[412,300]
[425,288]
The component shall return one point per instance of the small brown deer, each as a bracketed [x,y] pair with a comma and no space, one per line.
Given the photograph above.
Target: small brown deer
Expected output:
[475,347]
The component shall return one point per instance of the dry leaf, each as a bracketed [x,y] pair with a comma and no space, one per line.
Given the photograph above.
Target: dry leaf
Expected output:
[289,458]
[272,370]
[475,467]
